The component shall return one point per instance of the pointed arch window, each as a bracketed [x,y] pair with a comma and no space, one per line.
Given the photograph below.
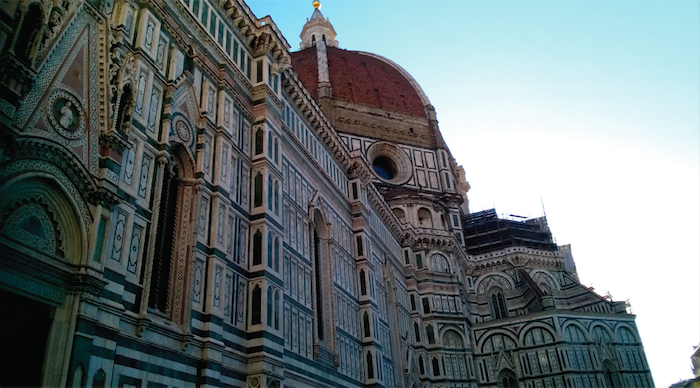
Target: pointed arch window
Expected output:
[416,331]
[319,296]
[421,366]
[277,254]
[365,324]
[257,248]
[508,380]
[165,240]
[611,375]
[259,141]
[363,283]
[269,306]
[269,192]
[370,366]
[269,249]
[430,333]
[276,198]
[99,380]
[269,140]
[436,367]
[258,188]
[276,307]
[256,306]
[498,306]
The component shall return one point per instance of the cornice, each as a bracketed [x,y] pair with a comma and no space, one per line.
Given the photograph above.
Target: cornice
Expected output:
[514,257]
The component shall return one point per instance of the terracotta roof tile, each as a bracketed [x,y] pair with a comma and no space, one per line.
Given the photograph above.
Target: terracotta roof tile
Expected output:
[361,79]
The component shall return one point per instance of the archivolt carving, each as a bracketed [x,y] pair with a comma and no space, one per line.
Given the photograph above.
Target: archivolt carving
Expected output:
[543,277]
[39,210]
[493,281]
[34,166]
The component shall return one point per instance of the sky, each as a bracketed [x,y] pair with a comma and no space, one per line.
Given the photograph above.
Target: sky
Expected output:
[588,111]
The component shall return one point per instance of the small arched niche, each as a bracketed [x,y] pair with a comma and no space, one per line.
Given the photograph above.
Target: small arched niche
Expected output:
[400,214]
[424,218]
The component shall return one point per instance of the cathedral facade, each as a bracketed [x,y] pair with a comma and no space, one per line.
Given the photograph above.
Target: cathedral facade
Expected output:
[187,201]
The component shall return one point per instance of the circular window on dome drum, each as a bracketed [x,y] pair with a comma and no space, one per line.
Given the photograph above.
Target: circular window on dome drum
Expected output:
[384,167]
[389,162]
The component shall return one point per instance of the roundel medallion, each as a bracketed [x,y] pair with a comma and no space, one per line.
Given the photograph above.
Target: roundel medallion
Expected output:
[65,114]
[183,131]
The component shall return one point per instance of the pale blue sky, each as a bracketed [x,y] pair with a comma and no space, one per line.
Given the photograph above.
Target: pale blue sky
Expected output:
[592,106]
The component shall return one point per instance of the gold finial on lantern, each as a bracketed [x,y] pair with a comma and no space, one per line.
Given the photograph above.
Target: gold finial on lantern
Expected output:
[317,4]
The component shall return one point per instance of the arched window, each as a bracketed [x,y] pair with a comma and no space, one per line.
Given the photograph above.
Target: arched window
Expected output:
[601,335]
[416,331]
[625,336]
[269,192]
[276,143]
[256,306]
[277,254]
[400,214]
[269,306]
[424,218]
[365,324]
[413,302]
[257,248]
[452,340]
[259,141]
[273,384]
[431,333]
[426,306]
[436,367]
[99,380]
[319,296]
[276,307]
[165,240]
[257,195]
[439,263]
[277,198]
[370,366]
[421,366]
[508,380]
[29,34]
[78,376]
[498,306]
[573,334]
[497,342]
[363,283]
[611,375]
[538,336]
[269,249]
[269,142]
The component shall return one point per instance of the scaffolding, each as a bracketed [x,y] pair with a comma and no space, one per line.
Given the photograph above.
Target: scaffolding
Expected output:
[485,232]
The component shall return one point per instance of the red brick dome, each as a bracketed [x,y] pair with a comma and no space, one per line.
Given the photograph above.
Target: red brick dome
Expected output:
[364,79]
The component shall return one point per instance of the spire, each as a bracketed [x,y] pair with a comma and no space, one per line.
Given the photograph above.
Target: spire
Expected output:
[317,28]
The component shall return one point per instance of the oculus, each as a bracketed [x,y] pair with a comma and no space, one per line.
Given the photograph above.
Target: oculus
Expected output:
[389,163]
